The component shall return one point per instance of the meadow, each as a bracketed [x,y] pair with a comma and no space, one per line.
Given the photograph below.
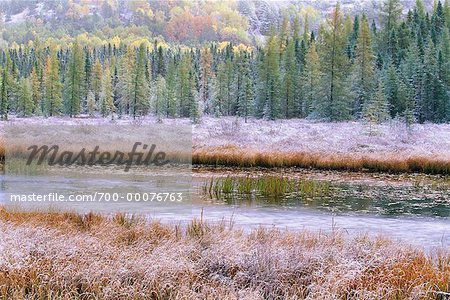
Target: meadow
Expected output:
[90,256]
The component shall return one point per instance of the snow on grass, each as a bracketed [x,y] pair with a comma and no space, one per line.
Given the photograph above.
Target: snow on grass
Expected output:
[120,257]
[297,135]
[307,136]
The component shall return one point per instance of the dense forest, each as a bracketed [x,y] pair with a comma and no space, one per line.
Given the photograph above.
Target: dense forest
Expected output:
[349,67]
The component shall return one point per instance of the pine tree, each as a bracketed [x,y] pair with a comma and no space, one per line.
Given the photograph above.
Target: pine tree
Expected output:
[96,80]
[53,86]
[184,88]
[335,64]
[74,81]
[289,94]
[37,92]
[25,99]
[87,76]
[246,92]
[391,13]
[447,13]
[432,85]
[376,109]
[364,68]
[141,93]
[194,113]
[126,85]
[206,76]
[107,94]
[160,98]
[91,104]
[311,79]
[268,102]
[171,84]
[405,97]
[4,100]
[392,84]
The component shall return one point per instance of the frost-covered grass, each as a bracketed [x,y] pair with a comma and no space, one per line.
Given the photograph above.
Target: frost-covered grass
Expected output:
[345,145]
[65,255]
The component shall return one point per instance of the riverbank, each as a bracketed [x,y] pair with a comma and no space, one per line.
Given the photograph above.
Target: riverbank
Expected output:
[71,256]
[351,146]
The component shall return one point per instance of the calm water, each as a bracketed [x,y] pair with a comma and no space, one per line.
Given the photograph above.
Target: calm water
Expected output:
[412,208]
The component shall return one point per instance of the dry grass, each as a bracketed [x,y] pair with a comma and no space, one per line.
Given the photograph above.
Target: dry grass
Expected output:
[394,163]
[229,155]
[69,256]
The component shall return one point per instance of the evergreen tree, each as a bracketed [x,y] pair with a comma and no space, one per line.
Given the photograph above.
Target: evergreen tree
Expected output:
[126,84]
[335,64]
[25,99]
[87,75]
[4,100]
[141,92]
[364,68]
[376,109]
[74,81]
[91,104]
[289,94]
[392,84]
[391,13]
[311,79]
[194,113]
[96,80]
[107,94]
[268,101]
[53,86]
[171,85]
[160,98]
[206,77]
[37,92]
[184,88]
[246,92]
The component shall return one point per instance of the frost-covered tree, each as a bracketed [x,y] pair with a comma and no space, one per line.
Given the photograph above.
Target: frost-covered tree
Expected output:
[311,80]
[73,93]
[268,97]
[376,109]
[25,100]
[160,97]
[364,68]
[107,93]
[335,68]
[53,86]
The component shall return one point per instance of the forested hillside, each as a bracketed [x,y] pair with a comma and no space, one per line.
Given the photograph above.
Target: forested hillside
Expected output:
[388,63]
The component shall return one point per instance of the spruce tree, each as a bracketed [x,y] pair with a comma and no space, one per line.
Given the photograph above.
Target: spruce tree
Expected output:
[246,92]
[126,84]
[74,81]
[311,79]
[392,85]
[25,99]
[53,86]
[160,98]
[376,108]
[171,85]
[4,99]
[206,77]
[364,68]
[91,104]
[96,80]
[140,100]
[268,99]
[289,94]
[184,88]
[107,94]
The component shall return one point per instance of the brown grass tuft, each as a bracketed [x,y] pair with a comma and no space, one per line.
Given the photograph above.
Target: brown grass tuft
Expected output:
[395,163]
